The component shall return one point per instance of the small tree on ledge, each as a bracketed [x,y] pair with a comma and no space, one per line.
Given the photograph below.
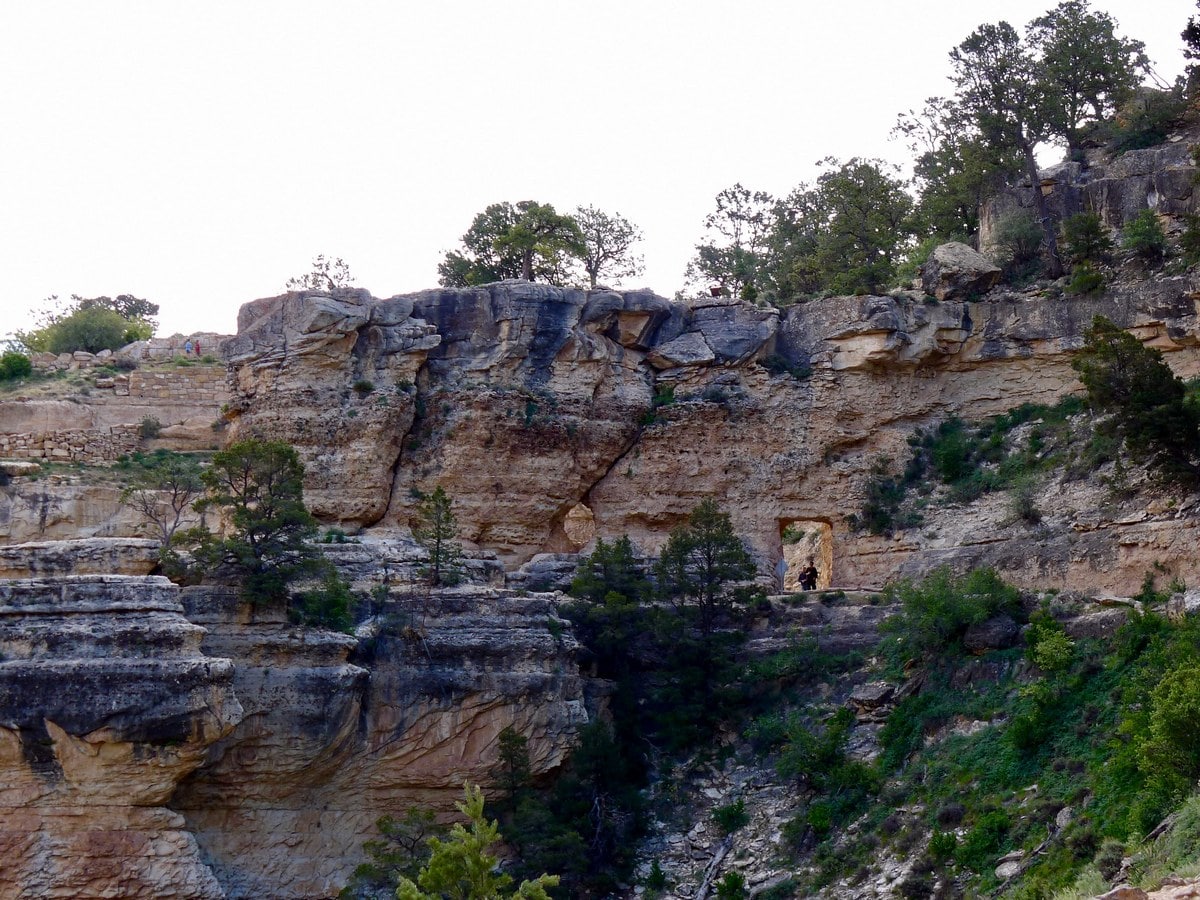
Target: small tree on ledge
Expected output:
[436,530]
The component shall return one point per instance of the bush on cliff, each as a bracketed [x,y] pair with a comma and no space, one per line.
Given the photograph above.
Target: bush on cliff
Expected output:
[1149,406]
[259,487]
[14,365]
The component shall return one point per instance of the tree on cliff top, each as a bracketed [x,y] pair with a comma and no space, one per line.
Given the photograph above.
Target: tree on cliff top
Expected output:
[326,274]
[608,242]
[529,240]
[91,324]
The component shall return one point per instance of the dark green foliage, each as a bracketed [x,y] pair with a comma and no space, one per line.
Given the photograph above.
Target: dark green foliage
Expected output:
[1084,280]
[527,240]
[1145,238]
[1019,239]
[400,852]
[936,613]
[1189,240]
[664,395]
[613,573]
[259,486]
[1085,239]
[91,324]
[1147,121]
[700,563]
[14,365]
[327,606]
[585,827]
[731,817]
[512,773]
[656,880]
[777,365]
[436,529]
[1149,406]
[731,886]
[150,428]
[880,513]
[980,846]
[1088,70]
[362,387]
[1109,858]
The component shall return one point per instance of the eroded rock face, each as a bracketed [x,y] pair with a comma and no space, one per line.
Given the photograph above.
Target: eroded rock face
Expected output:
[338,732]
[530,403]
[106,703]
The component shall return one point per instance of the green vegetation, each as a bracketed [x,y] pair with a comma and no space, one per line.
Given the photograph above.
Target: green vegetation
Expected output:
[461,868]
[701,562]
[258,485]
[1145,238]
[14,365]
[91,324]
[161,488]
[1085,239]
[436,529]
[1148,407]
[957,462]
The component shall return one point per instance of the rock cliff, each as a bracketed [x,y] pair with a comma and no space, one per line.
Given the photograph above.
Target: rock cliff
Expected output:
[552,415]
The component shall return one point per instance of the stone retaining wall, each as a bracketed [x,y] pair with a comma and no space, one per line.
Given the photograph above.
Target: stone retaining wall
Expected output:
[76,445]
[194,385]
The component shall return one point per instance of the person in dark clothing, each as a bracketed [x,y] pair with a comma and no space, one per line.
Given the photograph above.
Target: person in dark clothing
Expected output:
[808,577]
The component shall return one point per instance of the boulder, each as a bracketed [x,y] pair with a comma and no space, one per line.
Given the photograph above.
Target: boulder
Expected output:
[956,272]
[686,350]
[996,633]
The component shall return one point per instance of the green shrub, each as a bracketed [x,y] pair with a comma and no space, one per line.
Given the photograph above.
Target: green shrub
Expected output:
[778,365]
[1085,239]
[150,428]
[327,606]
[1189,240]
[1147,121]
[981,845]
[1084,280]
[731,817]
[1144,236]
[936,613]
[91,329]
[1018,239]
[1109,858]
[362,387]
[14,365]
[732,886]
[657,879]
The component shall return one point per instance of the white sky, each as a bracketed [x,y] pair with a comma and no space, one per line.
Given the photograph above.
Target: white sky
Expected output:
[199,154]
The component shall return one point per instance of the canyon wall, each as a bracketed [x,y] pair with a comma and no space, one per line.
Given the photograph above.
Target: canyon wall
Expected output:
[553,415]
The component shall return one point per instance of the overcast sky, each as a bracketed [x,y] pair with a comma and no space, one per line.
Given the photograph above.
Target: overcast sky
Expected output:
[199,154]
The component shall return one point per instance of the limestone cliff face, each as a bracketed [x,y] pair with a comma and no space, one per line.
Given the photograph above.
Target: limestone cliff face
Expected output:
[106,703]
[552,415]
[339,731]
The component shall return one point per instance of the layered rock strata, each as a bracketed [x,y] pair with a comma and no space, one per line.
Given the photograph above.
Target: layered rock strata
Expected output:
[106,704]
[339,731]
[552,416]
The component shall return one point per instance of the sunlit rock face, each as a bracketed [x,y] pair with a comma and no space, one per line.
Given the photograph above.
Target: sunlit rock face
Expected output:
[553,416]
[106,703]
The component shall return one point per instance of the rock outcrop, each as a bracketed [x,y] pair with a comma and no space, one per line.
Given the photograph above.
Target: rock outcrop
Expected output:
[339,731]
[553,415]
[106,703]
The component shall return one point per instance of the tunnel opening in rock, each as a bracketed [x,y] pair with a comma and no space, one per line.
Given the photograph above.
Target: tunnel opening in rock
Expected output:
[806,542]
